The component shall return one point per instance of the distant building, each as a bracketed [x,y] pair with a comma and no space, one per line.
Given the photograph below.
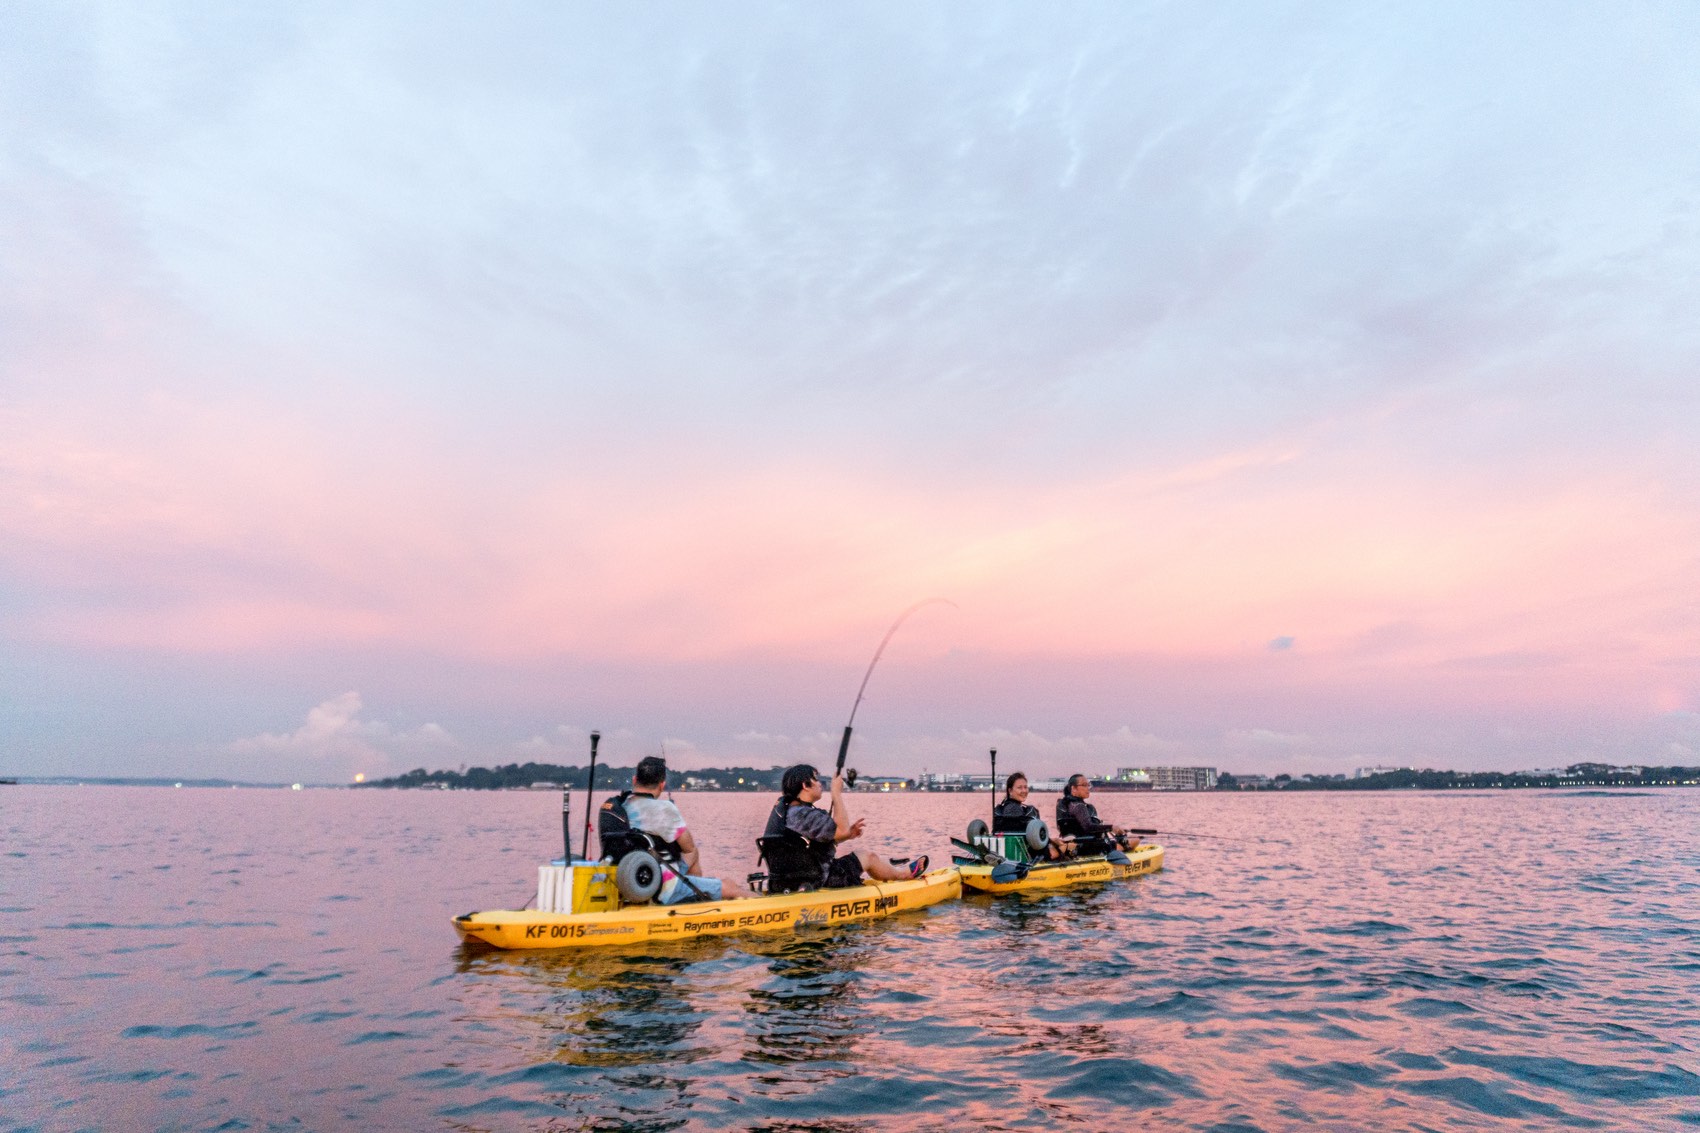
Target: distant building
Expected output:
[1253,782]
[1366,772]
[881,783]
[1123,779]
[1182,778]
[935,781]
[963,782]
[1159,779]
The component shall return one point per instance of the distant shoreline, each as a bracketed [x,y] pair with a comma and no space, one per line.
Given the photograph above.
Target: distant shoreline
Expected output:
[1296,788]
[155,781]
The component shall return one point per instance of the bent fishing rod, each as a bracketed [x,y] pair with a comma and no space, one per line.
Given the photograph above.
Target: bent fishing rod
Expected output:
[844,744]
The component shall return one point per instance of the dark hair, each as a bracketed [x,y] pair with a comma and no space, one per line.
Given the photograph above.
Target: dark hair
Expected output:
[796,778]
[1009,783]
[651,771]
[1074,781]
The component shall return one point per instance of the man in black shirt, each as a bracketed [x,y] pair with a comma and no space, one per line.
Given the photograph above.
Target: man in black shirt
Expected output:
[824,829]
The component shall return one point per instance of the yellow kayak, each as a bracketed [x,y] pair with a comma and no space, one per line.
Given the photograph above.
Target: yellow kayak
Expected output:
[636,924]
[1057,875]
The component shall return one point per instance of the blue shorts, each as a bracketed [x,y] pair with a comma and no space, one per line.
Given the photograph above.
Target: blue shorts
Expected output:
[676,892]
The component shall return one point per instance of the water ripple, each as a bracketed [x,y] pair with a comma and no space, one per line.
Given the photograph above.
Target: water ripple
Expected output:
[1403,962]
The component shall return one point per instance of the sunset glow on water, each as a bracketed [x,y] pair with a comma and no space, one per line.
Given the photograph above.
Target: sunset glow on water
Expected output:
[1408,961]
[393,387]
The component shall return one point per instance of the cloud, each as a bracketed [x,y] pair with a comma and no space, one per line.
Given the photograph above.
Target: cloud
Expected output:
[1281,644]
[1037,754]
[569,746]
[1266,738]
[762,739]
[329,726]
[334,735]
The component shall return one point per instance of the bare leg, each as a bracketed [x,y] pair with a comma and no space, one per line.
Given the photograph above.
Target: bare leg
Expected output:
[730,888]
[881,869]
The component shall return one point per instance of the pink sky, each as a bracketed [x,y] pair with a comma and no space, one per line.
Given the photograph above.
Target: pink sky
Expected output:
[363,409]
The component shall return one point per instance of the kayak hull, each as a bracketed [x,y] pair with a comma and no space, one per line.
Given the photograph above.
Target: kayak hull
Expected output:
[1061,875]
[642,924]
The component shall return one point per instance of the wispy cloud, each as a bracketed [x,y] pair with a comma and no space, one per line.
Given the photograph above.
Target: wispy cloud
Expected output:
[1266,737]
[498,345]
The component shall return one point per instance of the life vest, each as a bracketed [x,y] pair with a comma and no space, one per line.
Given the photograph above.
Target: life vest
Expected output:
[617,837]
[806,862]
[1077,818]
[1011,817]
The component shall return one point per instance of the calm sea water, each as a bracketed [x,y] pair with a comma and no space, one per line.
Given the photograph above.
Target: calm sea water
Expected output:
[218,959]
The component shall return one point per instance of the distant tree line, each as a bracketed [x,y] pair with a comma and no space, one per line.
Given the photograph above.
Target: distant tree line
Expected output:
[520,776]
[1576,775]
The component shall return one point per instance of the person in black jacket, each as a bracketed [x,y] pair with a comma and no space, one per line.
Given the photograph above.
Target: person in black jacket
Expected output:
[1012,815]
[1078,819]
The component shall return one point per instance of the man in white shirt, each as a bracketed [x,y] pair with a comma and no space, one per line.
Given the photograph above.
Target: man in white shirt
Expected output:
[646,810]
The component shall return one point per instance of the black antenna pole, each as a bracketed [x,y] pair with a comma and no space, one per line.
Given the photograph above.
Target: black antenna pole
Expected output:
[589,786]
[994,788]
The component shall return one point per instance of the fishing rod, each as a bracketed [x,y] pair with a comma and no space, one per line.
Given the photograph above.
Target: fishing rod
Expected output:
[1189,834]
[589,786]
[567,825]
[994,788]
[844,744]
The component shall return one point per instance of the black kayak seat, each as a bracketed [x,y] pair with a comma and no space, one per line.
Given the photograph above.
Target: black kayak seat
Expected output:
[793,866]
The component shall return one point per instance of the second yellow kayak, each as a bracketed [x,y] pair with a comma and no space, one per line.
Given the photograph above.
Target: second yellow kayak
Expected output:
[1060,875]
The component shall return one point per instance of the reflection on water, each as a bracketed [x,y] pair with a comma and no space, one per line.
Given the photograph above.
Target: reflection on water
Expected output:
[276,960]
[620,1011]
[808,1010]
[615,1031]
[643,1020]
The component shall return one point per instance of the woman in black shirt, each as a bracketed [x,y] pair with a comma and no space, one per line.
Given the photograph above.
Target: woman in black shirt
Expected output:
[1012,815]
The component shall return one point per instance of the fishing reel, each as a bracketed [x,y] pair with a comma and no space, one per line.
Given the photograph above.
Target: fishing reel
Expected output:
[850,777]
